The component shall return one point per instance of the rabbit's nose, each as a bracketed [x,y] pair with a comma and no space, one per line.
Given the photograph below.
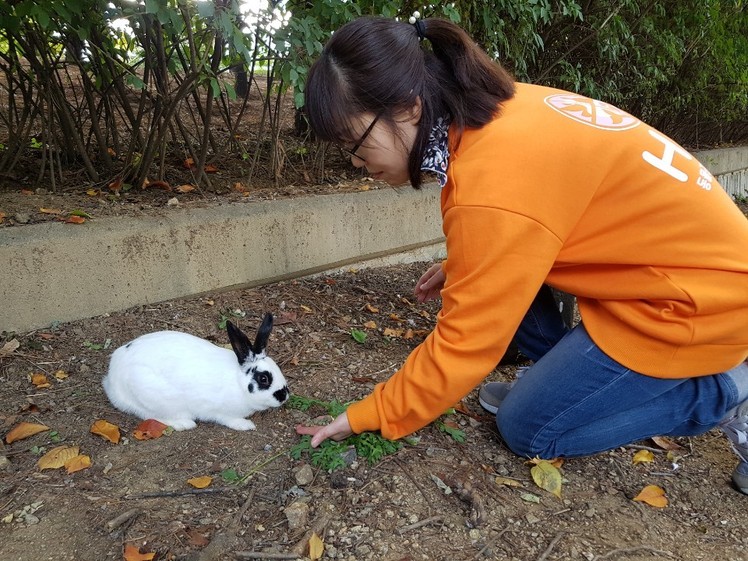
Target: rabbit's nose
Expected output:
[281,395]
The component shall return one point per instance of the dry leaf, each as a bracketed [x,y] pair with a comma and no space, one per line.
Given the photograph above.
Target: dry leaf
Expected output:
[50,211]
[371,325]
[667,444]
[148,429]
[26,192]
[2,216]
[158,185]
[40,380]
[200,482]
[60,374]
[397,318]
[92,192]
[546,476]
[653,496]
[57,457]
[372,309]
[115,185]
[186,188]
[132,553]
[389,332]
[106,429]
[24,430]
[643,457]
[75,220]
[555,462]
[409,334]
[78,463]
[9,348]
[508,482]
[307,309]
[316,547]
[239,186]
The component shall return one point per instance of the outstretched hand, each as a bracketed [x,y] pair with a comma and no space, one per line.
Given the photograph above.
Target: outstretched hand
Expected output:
[339,429]
[430,284]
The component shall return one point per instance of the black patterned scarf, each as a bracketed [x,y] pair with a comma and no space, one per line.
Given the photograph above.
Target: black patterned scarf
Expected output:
[436,155]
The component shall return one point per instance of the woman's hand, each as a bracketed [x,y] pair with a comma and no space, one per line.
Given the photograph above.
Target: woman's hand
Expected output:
[430,284]
[339,429]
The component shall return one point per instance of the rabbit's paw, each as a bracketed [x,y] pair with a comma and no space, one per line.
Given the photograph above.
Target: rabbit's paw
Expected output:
[238,424]
[180,424]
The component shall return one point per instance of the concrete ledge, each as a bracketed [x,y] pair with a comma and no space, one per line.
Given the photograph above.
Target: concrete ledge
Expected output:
[58,272]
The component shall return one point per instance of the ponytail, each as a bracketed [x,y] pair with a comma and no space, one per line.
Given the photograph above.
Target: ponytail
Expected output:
[381,66]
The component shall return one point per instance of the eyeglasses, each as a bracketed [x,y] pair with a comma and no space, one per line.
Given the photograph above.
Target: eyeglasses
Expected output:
[352,151]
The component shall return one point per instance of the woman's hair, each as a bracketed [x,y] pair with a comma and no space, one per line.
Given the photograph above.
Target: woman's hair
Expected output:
[378,65]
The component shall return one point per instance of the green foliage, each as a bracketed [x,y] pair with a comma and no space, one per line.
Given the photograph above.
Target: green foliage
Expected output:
[358,336]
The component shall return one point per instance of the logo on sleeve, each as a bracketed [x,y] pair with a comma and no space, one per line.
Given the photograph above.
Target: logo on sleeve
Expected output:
[592,112]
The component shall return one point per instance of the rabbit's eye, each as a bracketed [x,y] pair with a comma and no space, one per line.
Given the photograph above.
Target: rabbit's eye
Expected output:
[263,379]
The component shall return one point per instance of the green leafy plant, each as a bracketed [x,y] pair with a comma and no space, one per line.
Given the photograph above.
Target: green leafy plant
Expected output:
[230,475]
[226,315]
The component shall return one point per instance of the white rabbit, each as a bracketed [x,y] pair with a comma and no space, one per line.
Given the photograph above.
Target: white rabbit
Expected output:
[177,378]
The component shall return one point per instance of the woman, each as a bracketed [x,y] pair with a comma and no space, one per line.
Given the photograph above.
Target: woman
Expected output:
[540,188]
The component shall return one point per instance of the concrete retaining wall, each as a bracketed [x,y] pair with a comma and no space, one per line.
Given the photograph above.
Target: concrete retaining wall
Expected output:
[729,166]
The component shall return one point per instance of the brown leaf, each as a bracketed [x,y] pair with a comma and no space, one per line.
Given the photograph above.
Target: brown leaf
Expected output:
[389,332]
[409,334]
[371,308]
[667,444]
[196,538]
[186,188]
[60,374]
[50,211]
[158,185]
[115,185]
[107,430]
[363,379]
[40,380]
[371,325]
[75,220]
[210,168]
[240,187]
[77,463]
[2,216]
[499,480]
[148,429]
[653,496]
[200,482]
[26,192]
[9,348]
[24,430]
[132,553]
[57,457]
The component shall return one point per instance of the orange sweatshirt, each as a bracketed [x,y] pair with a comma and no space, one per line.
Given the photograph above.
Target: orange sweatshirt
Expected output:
[564,190]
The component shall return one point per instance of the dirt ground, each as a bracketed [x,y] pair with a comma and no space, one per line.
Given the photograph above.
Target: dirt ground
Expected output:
[394,510]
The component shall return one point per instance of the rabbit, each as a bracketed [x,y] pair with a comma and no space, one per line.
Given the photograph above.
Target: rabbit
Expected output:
[177,378]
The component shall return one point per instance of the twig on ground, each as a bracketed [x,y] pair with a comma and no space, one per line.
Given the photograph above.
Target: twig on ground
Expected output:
[161,494]
[554,541]
[491,542]
[419,524]
[643,447]
[468,494]
[123,518]
[628,550]
[413,480]
[261,555]
[225,540]
[318,528]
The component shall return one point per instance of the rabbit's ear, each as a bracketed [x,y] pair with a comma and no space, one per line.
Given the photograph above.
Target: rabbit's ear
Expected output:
[263,334]
[239,342]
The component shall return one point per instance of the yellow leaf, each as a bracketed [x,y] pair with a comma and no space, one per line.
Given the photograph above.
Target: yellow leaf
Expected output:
[57,457]
[307,309]
[316,547]
[186,188]
[40,380]
[77,463]
[643,456]
[50,211]
[106,429]
[371,325]
[371,308]
[200,482]
[132,553]
[546,476]
[24,430]
[653,496]
[60,374]
[92,192]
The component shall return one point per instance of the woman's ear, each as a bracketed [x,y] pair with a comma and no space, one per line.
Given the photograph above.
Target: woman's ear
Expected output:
[413,115]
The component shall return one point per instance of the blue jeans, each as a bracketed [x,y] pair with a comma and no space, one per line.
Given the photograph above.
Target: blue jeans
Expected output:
[576,401]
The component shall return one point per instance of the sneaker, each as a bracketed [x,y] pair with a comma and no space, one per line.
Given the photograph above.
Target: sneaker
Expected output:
[493,393]
[736,429]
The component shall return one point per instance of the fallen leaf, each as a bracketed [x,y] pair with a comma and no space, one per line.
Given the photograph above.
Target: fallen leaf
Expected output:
[186,188]
[643,457]
[107,430]
[363,379]
[78,463]
[210,168]
[508,482]
[57,457]
[372,309]
[667,444]
[389,332]
[9,348]
[555,462]
[132,553]
[307,309]
[316,547]
[200,482]
[115,185]
[409,334]
[60,374]
[92,192]
[239,186]
[111,151]
[75,220]
[371,325]
[397,318]
[546,476]
[26,192]
[2,216]
[158,185]
[24,430]
[148,429]
[196,538]
[40,380]
[653,496]
[50,211]
[530,498]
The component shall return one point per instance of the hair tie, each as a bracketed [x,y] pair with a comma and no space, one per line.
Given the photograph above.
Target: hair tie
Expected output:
[416,21]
